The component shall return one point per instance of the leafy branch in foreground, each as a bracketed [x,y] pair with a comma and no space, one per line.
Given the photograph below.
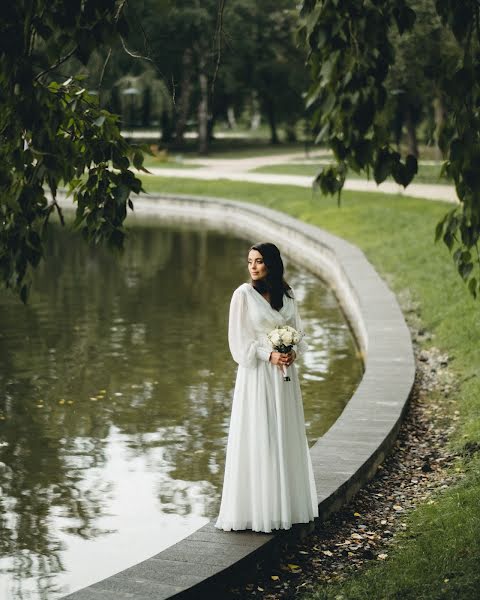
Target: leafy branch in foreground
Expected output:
[55,134]
[352,52]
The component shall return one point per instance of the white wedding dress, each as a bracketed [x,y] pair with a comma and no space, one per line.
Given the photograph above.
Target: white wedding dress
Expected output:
[268,482]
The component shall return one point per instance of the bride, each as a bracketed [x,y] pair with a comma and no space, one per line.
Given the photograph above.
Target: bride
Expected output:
[268,482]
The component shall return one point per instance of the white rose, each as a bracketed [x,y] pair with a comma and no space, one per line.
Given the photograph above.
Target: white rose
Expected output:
[275,339]
[287,338]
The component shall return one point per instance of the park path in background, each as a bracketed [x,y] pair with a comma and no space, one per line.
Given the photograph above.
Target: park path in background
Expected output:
[243,169]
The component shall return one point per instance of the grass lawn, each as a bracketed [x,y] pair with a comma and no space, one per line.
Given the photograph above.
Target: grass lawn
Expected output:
[426,173]
[439,555]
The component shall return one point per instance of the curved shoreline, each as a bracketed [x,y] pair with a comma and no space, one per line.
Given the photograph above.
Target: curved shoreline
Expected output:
[347,455]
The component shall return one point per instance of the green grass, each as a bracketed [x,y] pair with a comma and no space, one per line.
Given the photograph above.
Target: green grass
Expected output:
[426,173]
[437,558]
[396,233]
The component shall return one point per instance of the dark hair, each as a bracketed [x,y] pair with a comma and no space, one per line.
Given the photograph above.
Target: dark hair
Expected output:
[273,283]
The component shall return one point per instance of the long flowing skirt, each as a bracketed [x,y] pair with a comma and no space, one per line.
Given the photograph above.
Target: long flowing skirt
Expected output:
[268,482]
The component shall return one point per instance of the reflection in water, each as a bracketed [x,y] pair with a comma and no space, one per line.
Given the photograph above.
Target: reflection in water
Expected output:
[115,391]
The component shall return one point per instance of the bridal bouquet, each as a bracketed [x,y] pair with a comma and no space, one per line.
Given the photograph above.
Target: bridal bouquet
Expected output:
[283,339]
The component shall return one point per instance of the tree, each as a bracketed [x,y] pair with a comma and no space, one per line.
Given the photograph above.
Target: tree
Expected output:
[54,133]
[182,43]
[351,54]
[262,57]
[215,55]
[422,54]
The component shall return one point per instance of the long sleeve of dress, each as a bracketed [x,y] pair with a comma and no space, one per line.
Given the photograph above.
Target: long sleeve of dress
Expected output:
[302,346]
[245,349]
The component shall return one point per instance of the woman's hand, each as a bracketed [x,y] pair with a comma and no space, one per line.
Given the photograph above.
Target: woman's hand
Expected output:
[282,359]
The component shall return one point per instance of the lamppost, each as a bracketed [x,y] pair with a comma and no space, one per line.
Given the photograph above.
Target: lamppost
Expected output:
[131,92]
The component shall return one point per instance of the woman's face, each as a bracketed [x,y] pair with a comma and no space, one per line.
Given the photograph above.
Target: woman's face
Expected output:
[256,266]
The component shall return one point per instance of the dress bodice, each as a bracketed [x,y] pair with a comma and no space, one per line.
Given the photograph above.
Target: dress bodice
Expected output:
[265,318]
[251,319]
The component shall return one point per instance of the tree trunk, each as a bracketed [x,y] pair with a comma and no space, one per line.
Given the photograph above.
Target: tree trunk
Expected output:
[203,108]
[398,117]
[232,122]
[167,129]
[270,109]
[210,127]
[184,101]
[290,132]
[146,107]
[440,118]
[256,116]
[412,144]
[115,105]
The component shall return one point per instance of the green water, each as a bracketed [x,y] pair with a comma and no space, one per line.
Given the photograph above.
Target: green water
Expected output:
[115,391]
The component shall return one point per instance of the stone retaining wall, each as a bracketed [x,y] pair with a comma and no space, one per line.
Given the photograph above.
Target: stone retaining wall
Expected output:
[348,454]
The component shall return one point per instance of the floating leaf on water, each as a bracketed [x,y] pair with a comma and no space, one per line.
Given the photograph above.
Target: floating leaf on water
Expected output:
[355,514]
[327,552]
[274,577]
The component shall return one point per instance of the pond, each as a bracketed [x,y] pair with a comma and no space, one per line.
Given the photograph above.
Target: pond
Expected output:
[115,392]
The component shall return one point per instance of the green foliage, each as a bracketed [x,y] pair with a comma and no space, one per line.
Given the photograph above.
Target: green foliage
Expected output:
[356,55]
[54,134]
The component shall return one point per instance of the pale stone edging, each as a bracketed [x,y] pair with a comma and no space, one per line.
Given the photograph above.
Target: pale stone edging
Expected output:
[347,455]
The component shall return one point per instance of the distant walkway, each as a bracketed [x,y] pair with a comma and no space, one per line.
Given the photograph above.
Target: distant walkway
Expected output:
[242,169]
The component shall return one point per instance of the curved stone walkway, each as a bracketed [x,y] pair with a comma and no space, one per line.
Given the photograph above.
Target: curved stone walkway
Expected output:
[242,169]
[345,457]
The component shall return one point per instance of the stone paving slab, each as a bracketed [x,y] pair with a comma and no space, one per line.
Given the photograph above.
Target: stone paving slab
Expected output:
[140,589]
[92,593]
[207,553]
[169,572]
[209,533]
[350,451]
